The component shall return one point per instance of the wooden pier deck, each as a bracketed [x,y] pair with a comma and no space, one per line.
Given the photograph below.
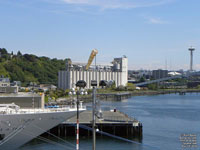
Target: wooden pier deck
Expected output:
[107,118]
[113,122]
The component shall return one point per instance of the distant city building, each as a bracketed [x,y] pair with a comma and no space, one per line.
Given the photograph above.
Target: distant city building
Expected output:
[158,74]
[16,83]
[4,82]
[46,87]
[136,75]
[6,86]
[174,73]
[9,89]
[117,72]
[181,71]
[193,84]
[9,94]
[24,100]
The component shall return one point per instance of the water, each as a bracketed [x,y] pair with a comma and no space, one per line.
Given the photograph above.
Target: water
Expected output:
[164,118]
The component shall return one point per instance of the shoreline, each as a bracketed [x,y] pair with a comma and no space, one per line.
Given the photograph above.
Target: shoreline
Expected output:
[127,94]
[158,92]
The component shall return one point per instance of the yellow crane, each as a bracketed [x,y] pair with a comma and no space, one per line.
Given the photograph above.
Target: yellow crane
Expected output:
[92,55]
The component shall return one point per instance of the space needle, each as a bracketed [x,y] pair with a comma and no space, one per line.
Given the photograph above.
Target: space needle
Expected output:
[191,49]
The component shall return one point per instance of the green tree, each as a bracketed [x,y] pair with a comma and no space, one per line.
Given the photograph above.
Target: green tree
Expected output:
[120,88]
[152,86]
[19,54]
[113,86]
[142,79]
[3,51]
[30,68]
[130,86]
[67,91]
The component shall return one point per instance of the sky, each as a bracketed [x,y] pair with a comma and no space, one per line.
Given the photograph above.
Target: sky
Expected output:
[153,34]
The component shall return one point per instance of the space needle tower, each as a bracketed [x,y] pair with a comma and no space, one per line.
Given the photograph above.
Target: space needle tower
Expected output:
[191,49]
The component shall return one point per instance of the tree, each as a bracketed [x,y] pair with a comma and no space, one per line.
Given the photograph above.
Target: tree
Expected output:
[67,91]
[120,88]
[3,51]
[113,86]
[142,79]
[19,54]
[152,86]
[30,68]
[4,54]
[130,86]
[29,57]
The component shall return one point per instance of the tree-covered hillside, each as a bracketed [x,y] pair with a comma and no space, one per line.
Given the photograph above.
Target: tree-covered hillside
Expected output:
[29,68]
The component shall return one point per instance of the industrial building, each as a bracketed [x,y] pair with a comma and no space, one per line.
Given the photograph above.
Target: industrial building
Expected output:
[117,71]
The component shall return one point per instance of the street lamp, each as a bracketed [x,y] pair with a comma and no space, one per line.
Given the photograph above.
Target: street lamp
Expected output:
[103,83]
[71,93]
[81,84]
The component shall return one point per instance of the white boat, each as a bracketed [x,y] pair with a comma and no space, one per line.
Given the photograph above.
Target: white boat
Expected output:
[19,126]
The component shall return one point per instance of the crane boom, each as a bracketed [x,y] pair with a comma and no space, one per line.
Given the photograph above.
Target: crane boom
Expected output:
[92,55]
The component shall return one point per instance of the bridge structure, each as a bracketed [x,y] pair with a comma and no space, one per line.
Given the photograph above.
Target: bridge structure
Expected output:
[158,80]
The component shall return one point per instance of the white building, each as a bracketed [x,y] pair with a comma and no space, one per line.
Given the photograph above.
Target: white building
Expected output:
[117,72]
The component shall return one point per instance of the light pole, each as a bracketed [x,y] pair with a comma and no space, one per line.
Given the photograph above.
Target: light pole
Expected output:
[71,93]
[94,84]
[33,100]
[80,84]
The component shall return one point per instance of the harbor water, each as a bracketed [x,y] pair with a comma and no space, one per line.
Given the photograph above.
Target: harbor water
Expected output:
[165,119]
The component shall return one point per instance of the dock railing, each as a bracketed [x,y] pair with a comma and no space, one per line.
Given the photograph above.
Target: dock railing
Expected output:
[123,118]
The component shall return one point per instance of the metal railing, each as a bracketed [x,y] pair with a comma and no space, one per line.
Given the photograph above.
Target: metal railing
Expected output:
[5,111]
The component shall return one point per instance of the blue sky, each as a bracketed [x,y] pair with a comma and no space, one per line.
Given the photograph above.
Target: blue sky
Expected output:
[149,32]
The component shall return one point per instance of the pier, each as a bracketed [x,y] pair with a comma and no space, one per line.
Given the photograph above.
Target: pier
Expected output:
[115,96]
[112,122]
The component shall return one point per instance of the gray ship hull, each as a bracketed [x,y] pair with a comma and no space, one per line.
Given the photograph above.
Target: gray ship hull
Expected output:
[19,129]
